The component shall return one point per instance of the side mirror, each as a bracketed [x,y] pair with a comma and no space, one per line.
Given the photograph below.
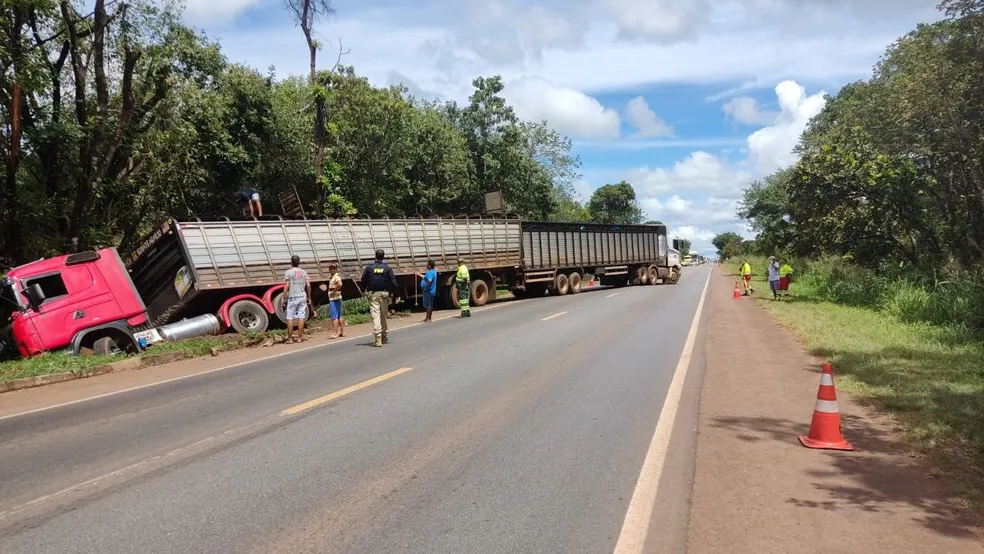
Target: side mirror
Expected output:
[35,296]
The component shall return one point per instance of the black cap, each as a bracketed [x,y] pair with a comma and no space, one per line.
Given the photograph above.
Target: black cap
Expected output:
[380,254]
[295,260]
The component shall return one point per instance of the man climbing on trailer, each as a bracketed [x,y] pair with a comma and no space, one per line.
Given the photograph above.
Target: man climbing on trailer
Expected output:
[379,282]
[463,281]
[249,201]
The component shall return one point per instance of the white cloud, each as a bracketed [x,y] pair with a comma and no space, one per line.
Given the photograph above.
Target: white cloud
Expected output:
[568,111]
[583,191]
[663,20]
[212,12]
[701,171]
[746,110]
[642,117]
[771,148]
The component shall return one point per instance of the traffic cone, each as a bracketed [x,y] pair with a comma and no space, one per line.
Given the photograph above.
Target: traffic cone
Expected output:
[825,429]
[737,293]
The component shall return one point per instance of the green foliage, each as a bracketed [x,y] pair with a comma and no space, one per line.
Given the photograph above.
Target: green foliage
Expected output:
[615,203]
[193,129]
[729,245]
[891,172]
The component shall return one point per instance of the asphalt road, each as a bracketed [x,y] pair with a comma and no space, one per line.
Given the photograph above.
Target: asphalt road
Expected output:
[521,429]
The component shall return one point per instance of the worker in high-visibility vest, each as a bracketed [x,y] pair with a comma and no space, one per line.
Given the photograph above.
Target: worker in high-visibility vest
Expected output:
[746,277]
[785,276]
[463,281]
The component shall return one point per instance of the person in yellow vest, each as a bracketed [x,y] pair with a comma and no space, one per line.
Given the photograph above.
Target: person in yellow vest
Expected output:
[463,282]
[746,277]
[785,276]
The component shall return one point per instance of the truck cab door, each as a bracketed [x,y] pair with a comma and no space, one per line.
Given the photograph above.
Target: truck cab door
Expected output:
[72,302]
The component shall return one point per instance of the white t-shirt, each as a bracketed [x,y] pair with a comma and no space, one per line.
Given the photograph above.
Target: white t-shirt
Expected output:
[296,282]
[773,271]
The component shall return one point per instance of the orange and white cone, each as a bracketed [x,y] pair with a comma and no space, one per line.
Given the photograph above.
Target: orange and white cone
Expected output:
[737,293]
[825,430]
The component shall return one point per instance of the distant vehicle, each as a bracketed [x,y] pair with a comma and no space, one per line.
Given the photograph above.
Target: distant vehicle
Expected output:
[687,260]
[225,274]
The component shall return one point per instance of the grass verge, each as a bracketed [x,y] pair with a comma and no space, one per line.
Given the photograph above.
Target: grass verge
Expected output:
[927,375]
[354,312]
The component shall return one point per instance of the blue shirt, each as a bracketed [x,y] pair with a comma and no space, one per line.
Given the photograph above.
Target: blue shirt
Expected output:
[430,278]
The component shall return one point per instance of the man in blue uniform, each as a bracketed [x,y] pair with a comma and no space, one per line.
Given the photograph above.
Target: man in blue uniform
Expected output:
[379,284]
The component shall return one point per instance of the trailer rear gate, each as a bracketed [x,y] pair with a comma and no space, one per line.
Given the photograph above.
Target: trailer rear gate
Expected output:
[227,254]
[553,245]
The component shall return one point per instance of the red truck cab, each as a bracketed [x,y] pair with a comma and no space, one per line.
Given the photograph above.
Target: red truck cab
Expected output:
[79,302]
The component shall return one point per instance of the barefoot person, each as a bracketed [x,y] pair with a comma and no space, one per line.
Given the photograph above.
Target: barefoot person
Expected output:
[428,289]
[335,302]
[298,293]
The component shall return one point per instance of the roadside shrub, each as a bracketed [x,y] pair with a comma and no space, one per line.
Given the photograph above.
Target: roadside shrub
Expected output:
[951,297]
[838,281]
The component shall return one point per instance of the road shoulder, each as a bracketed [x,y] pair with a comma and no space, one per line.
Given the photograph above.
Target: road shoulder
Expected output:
[756,489]
[76,390]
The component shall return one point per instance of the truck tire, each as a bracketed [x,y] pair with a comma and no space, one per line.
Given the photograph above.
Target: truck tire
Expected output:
[247,316]
[642,276]
[106,346]
[562,285]
[479,293]
[653,275]
[674,276]
[451,297]
[278,307]
[575,282]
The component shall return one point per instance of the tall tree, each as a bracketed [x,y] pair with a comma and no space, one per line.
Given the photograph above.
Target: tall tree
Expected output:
[306,14]
[728,244]
[615,203]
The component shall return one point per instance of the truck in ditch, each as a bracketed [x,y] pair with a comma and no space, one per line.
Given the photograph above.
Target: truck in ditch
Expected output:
[209,276]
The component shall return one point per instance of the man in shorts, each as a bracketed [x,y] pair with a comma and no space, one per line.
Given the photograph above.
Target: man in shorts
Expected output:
[297,287]
[249,201]
[335,302]
[428,288]
[773,273]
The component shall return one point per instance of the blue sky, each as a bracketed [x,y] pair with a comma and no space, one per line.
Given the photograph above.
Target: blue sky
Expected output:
[688,100]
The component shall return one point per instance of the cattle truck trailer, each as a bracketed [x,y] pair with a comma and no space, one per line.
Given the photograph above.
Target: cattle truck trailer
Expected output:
[101,301]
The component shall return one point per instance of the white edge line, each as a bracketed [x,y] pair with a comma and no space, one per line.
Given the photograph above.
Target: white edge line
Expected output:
[635,527]
[235,365]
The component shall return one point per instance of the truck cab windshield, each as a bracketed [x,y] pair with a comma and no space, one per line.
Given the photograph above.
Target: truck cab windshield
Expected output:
[9,301]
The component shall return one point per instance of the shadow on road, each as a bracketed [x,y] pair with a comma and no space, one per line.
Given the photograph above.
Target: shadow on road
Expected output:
[880,479]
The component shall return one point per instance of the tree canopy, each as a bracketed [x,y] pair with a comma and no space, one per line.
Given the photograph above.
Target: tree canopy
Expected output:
[615,203]
[116,115]
[892,170]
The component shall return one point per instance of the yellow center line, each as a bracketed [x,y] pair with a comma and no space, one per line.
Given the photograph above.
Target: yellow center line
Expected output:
[348,390]
[611,295]
[553,316]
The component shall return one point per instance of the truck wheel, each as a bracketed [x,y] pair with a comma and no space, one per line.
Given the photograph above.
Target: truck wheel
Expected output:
[674,276]
[247,316]
[562,285]
[575,281]
[479,293]
[642,276]
[107,346]
[653,275]
[278,307]
[451,297]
